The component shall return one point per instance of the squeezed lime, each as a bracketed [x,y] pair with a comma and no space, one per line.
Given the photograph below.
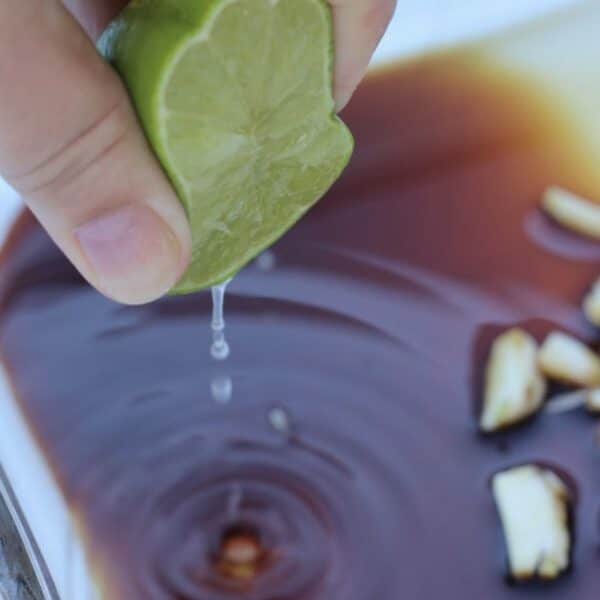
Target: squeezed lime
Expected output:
[236,99]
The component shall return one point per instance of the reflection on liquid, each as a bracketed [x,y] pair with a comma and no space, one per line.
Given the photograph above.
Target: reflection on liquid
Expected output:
[348,466]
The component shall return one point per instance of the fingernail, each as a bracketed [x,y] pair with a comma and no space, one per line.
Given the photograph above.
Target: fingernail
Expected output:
[342,97]
[134,255]
[346,81]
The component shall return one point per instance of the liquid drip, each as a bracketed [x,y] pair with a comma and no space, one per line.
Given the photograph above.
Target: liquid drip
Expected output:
[220,348]
[221,386]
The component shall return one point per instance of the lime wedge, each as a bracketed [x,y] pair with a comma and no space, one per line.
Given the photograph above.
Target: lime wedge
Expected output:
[235,97]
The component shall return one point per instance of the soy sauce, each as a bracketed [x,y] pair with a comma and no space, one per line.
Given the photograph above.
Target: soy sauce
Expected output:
[347,464]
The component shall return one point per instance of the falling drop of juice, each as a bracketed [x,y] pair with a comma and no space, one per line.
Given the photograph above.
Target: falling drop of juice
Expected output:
[266,261]
[220,348]
[221,388]
[279,419]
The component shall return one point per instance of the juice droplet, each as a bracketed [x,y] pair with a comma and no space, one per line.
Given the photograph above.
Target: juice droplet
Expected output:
[279,419]
[221,388]
[266,261]
[220,348]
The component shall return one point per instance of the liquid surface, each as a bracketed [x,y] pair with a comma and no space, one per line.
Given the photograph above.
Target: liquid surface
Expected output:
[347,460]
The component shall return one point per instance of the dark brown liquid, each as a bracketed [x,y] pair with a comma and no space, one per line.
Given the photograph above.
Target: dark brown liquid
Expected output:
[370,332]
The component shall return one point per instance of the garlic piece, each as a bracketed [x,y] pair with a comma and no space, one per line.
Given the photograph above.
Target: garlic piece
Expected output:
[566,402]
[591,304]
[593,400]
[573,212]
[514,387]
[533,503]
[566,359]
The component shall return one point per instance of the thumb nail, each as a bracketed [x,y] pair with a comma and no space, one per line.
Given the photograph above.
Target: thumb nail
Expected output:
[134,255]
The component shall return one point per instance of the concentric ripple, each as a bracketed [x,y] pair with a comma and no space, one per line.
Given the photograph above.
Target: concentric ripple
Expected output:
[304,488]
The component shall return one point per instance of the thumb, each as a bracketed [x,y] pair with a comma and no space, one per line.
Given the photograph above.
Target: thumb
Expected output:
[359,25]
[71,145]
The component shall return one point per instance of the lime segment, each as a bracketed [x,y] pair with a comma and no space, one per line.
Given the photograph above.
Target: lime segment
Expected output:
[236,99]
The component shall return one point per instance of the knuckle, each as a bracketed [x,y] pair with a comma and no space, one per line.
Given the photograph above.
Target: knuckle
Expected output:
[86,148]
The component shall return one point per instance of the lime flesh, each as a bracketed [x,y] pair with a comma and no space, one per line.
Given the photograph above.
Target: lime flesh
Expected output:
[235,97]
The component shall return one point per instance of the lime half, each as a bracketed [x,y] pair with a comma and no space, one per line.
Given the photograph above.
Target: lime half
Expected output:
[236,99]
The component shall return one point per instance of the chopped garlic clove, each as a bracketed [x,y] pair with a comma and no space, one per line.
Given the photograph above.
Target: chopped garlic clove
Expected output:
[593,400]
[566,359]
[514,388]
[533,504]
[573,212]
[591,304]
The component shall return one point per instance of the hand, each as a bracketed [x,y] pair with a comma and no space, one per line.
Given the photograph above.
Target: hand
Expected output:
[71,145]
